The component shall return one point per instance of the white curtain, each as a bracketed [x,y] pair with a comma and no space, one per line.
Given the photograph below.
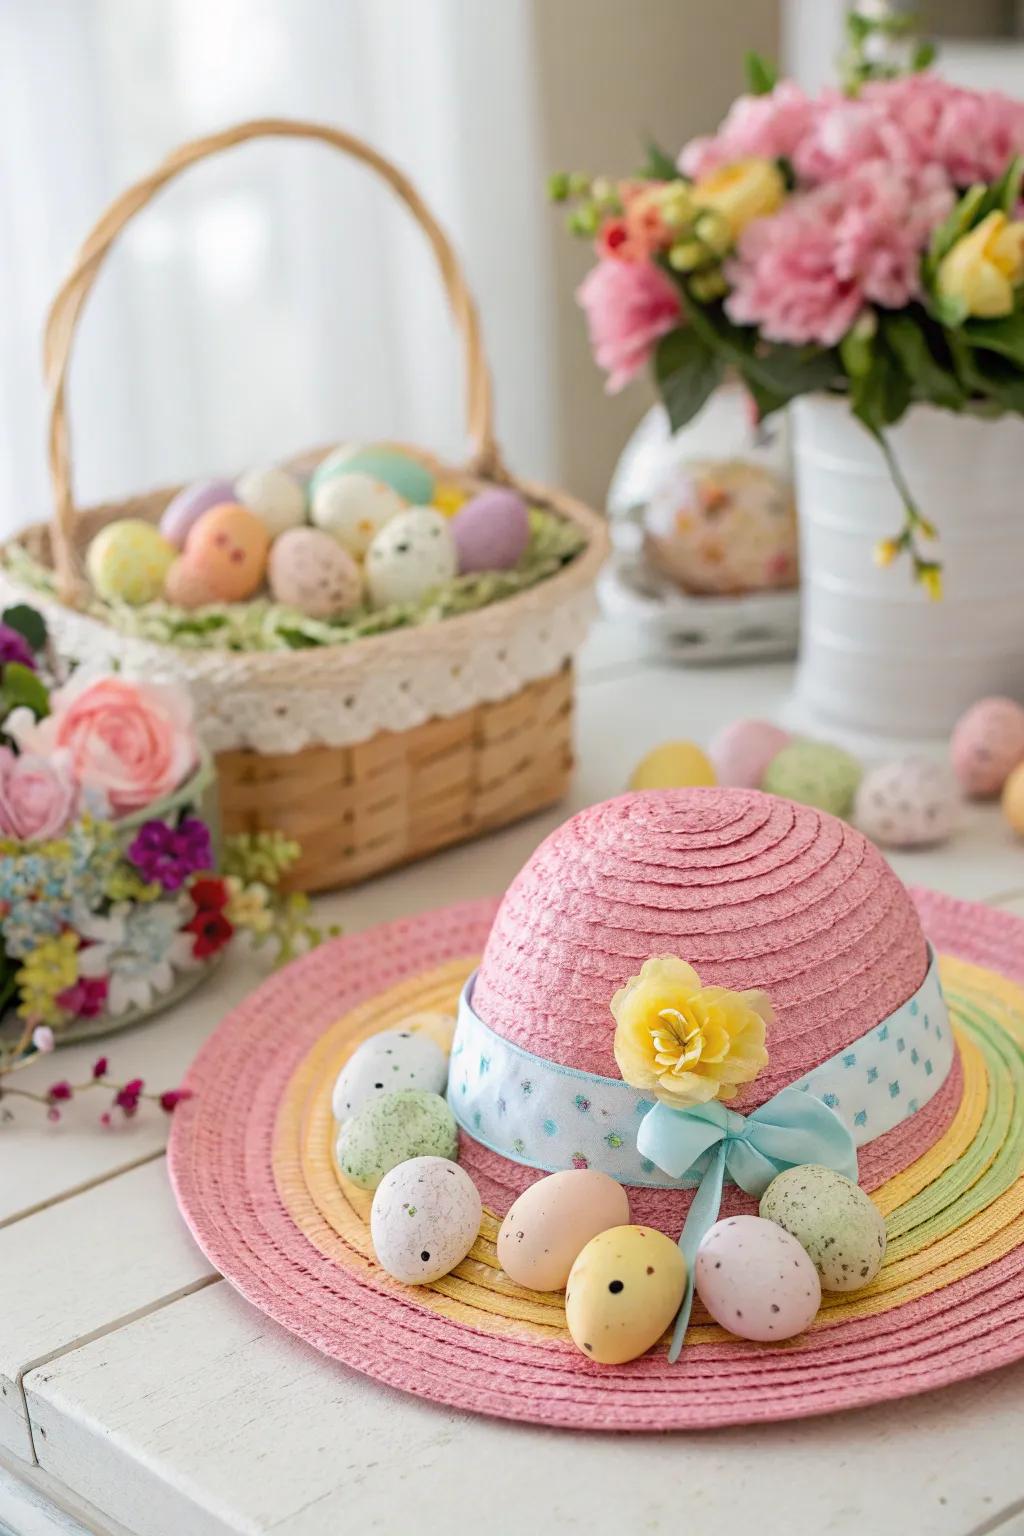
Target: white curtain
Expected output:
[275,298]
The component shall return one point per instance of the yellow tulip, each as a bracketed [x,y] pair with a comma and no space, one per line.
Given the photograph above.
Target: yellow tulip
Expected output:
[742,192]
[984,267]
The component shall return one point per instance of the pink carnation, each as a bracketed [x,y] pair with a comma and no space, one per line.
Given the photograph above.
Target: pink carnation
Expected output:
[769,127]
[805,274]
[629,305]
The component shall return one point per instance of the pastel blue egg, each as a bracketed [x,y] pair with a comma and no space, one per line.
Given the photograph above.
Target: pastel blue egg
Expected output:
[404,474]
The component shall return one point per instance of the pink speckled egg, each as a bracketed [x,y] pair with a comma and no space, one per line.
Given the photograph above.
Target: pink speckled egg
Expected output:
[187,587]
[987,744]
[491,531]
[310,571]
[742,751]
[228,548]
[183,511]
[910,803]
[756,1280]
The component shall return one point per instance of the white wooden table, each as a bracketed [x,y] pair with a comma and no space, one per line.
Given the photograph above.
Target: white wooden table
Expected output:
[139,1393]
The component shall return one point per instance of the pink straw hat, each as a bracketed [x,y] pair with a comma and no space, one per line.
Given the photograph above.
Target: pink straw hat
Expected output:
[753,892]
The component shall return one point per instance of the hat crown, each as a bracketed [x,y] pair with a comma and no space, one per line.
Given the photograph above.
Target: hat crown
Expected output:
[751,890]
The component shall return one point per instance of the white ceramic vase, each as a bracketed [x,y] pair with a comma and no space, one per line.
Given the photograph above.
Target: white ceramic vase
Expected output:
[879,661]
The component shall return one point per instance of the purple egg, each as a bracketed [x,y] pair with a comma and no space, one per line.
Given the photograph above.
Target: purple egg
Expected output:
[193,502]
[491,532]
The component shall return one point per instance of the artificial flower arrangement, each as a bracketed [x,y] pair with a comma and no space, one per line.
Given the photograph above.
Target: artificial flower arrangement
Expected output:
[114,892]
[863,241]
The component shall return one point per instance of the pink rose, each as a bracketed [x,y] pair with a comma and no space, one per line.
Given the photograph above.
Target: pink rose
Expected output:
[38,796]
[629,305]
[131,741]
[765,127]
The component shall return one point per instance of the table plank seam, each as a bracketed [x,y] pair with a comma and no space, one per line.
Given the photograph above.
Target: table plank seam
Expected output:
[85,1514]
[83,1188]
[99,1333]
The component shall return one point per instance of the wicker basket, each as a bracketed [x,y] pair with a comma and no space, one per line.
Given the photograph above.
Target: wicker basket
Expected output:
[383,750]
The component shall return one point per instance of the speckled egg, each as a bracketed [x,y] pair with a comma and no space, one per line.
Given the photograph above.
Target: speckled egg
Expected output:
[185,509]
[834,1222]
[424,1219]
[311,572]
[623,1291]
[1013,800]
[742,751]
[987,744]
[409,558]
[229,546]
[353,509]
[492,531]
[550,1224]
[128,561]
[394,1059]
[756,1280]
[187,587]
[276,497]
[814,773]
[390,1129]
[412,480]
[673,765]
[908,803]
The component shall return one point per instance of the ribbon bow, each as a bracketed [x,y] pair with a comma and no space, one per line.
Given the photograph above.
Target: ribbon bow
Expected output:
[707,1139]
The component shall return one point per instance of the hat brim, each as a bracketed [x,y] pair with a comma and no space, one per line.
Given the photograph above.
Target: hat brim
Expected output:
[251,1162]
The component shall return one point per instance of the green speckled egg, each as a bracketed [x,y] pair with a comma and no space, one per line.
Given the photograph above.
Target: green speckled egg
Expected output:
[814,773]
[389,1130]
[833,1221]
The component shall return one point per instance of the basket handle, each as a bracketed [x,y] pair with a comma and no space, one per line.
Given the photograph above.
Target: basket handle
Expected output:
[64,312]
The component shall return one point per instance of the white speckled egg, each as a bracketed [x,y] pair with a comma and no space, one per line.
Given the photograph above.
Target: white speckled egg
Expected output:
[624,1289]
[546,1229]
[410,557]
[834,1222]
[275,496]
[312,573]
[392,1128]
[424,1219]
[756,1280]
[491,531]
[907,803]
[353,509]
[987,744]
[394,1059]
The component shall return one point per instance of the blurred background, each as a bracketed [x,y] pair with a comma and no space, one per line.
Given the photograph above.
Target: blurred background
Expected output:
[275,299]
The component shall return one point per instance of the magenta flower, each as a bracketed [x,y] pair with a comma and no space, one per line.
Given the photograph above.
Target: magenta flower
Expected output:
[85,999]
[127,1098]
[14,647]
[168,855]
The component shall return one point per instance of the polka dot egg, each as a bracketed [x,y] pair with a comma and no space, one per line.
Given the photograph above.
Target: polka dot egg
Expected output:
[424,1220]
[756,1280]
[390,1129]
[987,744]
[128,562]
[275,496]
[411,557]
[312,573]
[907,804]
[814,773]
[353,509]
[624,1289]
[394,1059]
[228,547]
[833,1220]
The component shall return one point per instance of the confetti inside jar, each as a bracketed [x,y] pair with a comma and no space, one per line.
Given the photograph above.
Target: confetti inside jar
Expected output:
[128,562]
[987,744]
[726,527]
[814,773]
[673,765]
[908,804]
[756,1280]
[425,1218]
[833,1220]
[229,547]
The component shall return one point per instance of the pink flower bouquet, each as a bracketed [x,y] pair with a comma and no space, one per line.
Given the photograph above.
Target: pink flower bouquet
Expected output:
[864,241]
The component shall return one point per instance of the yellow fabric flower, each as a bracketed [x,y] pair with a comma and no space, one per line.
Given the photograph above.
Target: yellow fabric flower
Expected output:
[741,192]
[685,1042]
[47,971]
[984,267]
[249,906]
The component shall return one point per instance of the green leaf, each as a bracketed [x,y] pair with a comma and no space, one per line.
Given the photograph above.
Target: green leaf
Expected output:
[27,622]
[1004,194]
[958,221]
[1003,336]
[994,377]
[949,312]
[762,77]
[686,371]
[21,686]
[659,165]
[930,377]
[922,56]
[775,370]
[880,395]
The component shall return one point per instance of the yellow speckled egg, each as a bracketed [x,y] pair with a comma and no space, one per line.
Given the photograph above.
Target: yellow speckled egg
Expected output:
[624,1289]
[229,548]
[128,561]
[673,765]
[1013,800]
